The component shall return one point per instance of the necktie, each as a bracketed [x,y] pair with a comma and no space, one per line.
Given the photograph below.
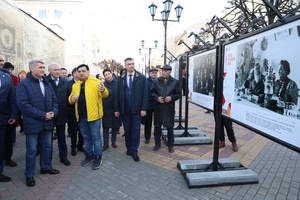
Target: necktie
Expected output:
[130,81]
[56,81]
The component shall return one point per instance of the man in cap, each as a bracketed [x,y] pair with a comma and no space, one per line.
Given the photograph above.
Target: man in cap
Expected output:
[165,91]
[147,120]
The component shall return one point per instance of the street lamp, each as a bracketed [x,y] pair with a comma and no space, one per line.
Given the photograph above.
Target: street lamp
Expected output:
[140,51]
[165,19]
[150,48]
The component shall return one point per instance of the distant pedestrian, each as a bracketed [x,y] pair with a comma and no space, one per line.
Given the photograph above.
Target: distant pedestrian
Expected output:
[131,104]
[87,94]
[227,124]
[165,91]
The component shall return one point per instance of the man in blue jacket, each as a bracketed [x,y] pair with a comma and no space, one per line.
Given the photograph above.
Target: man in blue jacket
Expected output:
[131,103]
[37,102]
[8,113]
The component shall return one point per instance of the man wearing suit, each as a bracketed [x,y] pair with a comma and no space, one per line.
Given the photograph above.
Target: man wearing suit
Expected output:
[131,105]
[60,86]
[8,113]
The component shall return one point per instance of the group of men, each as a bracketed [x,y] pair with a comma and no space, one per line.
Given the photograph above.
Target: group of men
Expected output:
[48,102]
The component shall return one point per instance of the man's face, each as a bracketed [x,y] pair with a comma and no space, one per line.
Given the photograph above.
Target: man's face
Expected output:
[165,73]
[54,70]
[1,61]
[38,70]
[108,76]
[153,74]
[129,65]
[63,73]
[10,70]
[83,73]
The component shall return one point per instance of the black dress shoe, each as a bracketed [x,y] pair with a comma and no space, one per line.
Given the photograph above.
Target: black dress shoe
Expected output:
[136,158]
[10,163]
[73,152]
[146,141]
[49,171]
[4,178]
[82,149]
[30,182]
[128,153]
[65,162]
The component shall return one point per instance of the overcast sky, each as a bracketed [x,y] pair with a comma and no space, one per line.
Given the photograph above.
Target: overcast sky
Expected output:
[126,23]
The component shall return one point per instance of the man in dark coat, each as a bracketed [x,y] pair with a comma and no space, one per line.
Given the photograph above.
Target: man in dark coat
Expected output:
[109,120]
[73,127]
[60,87]
[8,113]
[37,102]
[147,120]
[165,91]
[130,104]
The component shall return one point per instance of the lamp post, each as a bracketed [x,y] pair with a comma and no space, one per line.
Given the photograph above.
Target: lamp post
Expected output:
[165,18]
[150,50]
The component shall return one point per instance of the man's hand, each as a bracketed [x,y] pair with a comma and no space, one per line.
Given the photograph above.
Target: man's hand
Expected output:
[160,99]
[101,87]
[168,99]
[74,98]
[11,121]
[143,113]
[49,115]
[117,114]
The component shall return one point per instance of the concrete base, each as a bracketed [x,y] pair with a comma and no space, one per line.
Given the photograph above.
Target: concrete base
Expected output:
[197,174]
[194,137]
[182,128]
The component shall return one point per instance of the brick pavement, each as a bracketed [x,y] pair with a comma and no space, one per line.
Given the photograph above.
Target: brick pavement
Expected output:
[156,176]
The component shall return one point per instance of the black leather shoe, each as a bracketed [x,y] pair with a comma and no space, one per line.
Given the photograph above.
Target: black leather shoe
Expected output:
[73,152]
[146,141]
[30,182]
[49,171]
[155,148]
[4,178]
[65,162]
[10,163]
[82,149]
[136,158]
[128,153]
[171,149]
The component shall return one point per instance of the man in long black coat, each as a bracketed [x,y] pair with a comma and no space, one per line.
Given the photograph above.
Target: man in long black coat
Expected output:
[165,91]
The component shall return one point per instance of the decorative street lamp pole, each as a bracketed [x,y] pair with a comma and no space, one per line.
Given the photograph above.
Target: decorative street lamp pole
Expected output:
[150,50]
[165,19]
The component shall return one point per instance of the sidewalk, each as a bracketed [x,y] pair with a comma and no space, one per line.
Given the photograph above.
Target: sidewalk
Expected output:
[156,176]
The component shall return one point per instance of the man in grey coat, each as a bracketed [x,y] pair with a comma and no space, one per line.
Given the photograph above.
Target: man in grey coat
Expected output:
[165,91]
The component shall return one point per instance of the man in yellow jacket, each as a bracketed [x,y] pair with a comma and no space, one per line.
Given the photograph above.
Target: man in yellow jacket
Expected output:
[87,94]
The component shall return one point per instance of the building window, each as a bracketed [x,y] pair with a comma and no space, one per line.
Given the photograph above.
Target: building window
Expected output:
[58,14]
[42,14]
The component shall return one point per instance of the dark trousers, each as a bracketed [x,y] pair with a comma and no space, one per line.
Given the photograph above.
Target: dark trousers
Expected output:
[10,130]
[114,132]
[157,136]
[147,121]
[61,140]
[3,130]
[227,124]
[132,125]
[74,131]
